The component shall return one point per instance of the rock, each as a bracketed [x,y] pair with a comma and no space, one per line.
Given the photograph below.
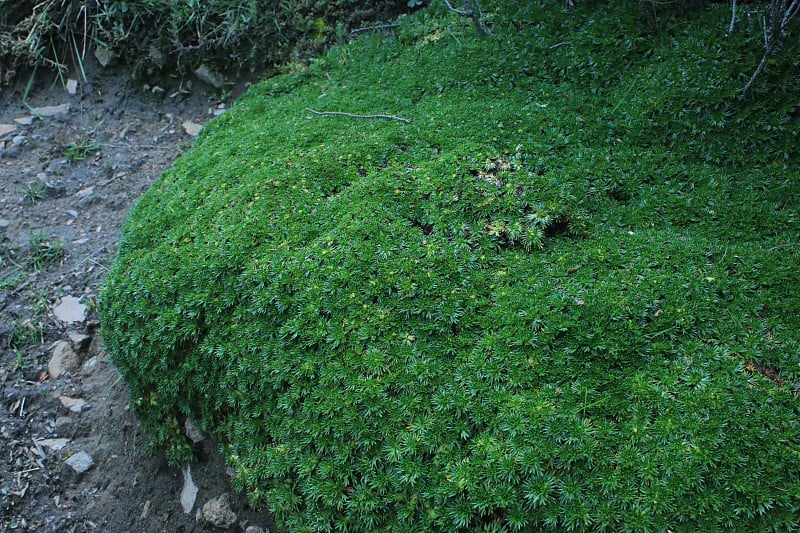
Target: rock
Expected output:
[63,359]
[192,431]
[189,491]
[24,121]
[58,112]
[4,223]
[53,444]
[6,129]
[55,189]
[89,365]
[73,213]
[192,128]
[218,512]
[75,405]
[79,341]
[72,86]
[85,192]
[104,56]
[88,201]
[80,462]
[207,75]
[254,529]
[70,309]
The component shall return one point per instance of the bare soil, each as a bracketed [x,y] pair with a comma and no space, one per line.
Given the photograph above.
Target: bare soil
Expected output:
[66,186]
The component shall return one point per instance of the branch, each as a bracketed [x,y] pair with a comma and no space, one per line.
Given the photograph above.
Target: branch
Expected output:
[733,15]
[352,115]
[375,28]
[473,11]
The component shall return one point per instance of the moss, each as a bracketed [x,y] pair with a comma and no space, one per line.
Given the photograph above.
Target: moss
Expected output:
[538,305]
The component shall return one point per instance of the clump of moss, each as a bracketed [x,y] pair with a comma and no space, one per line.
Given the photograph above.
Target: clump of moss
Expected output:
[528,308]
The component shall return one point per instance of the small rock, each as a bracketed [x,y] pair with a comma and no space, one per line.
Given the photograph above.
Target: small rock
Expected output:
[18,140]
[218,512]
[55,189]
[88,201]
[192,431]
[207,75]
[254,529]
[6,129]
[79,341]
[64,359]
[58,112]
[192,128]
[85,192]
[89,365]
[189,491]
[4,223]
[72,86]
[63,422]
[24,121]
[70,309]
[54,444]
[104,56]
[80,462]
[75,405]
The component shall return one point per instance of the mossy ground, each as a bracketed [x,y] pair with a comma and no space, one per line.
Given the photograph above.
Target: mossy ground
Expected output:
[563,296]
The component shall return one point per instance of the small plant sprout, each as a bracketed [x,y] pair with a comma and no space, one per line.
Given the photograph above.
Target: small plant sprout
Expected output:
[33,191]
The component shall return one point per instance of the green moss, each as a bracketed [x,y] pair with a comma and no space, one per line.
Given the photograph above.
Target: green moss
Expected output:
[540,305]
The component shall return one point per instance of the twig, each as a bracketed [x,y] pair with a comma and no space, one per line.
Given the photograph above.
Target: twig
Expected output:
[382,27]
[473,11]
[352,115]
[557,45]
[733,15]
[789,245]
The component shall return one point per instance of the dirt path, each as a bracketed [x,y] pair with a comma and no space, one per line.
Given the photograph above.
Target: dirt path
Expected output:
[66,184]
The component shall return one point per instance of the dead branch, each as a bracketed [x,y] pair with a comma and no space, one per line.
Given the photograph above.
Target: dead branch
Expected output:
[353,115]
[781,13]
[473,11]
[382,27]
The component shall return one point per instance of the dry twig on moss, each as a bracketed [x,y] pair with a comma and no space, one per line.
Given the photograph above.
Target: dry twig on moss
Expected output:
[353,115]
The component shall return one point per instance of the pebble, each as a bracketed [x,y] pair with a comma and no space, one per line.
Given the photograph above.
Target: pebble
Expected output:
[24,121]
[189,491]
[75,405]
[72,86]
[4,223]
[63,359]
[218,513]
[192,128]
[254,529]
[70,309]
[104,56]
[192,431]
[80,341]
[59,112]
[80,462]
[207,75]
[7,128]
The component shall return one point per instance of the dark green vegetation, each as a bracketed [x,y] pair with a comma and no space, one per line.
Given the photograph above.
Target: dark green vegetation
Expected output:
[231,34]
[563,297]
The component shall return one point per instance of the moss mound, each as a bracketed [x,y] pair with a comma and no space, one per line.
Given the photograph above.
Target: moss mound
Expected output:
[556,299]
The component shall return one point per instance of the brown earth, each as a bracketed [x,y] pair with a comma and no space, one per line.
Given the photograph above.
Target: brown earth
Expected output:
[66,186]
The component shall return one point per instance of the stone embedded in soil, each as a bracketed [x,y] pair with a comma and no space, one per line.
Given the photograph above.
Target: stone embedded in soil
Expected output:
[24,121]
[53,444]
[6,128]
[207,75]
[59,112]
[75,405]
[192,431]
[63,359]
[104,56]
[189,491]
[80,341]
[254,529]
[218,513]
[72,86]
[4,223]
[192,128]
[70,309]
[80,462]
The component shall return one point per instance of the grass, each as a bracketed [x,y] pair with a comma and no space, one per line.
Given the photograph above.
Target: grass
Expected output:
[557,299]
[80,150]
[33,191]
[45,250]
